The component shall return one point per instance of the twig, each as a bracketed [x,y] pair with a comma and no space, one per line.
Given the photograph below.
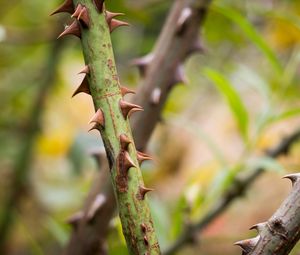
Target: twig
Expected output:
[281,232]
[238,188]
[172,48]
[23,160]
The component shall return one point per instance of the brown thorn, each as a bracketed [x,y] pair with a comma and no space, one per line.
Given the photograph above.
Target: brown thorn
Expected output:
[293,177]
[125,91]
[197,46]
[258,227]
[81,14]
[83,87]
[142,157]
[179,75]
[85,70]
[142,192]
[114,23]
[143,227]
[67,6]
[98,118]
[77,11]
[146,242]
[155,96]
[97,204]
[74,219]
[248,244]
[128,163]
[95,127]
[127,108]
[110,15]
[99,5]
[124,141]
[73,29]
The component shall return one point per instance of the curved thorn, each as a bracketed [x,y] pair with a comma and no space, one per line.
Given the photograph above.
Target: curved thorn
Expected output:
[128,163]
[110,15]
[128,108]
[248,244]
[83,87]
[73,29]
[142,192]
[77,11]
[141,157]
[98,118]
[125,91]
[293,177]
[85,70]
[114,23]
[67,6]
[124,141]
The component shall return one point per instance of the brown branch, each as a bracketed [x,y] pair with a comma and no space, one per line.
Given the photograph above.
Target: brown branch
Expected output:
[237,189]
[281,232]
[23,159]
[178,39]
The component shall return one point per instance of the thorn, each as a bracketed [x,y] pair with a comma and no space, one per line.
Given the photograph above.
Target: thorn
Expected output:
[124,141]
[197,46]
[128,163]
[99,5]
[98,118]
[114,23]
[142,63]
[75,219]
[248,244]
[95,127]
[111,15]
[85,70]
[142,192]
[83,87]
[73,29]
[155,96]
[185,14]
[127,108]
[67,6]
[179,75]
[259,227]
[293,177]
[125,91]
[81,14]
[146,242]
[142,157]
[97,204]
[143,227]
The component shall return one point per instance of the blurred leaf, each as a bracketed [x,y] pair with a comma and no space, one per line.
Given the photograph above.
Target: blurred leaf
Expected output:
[233,99]
[250,32]
[267,163]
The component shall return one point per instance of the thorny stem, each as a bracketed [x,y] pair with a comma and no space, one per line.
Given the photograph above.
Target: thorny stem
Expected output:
[111,119]
[281,232]
[179,47]
[22,165]
[237,189]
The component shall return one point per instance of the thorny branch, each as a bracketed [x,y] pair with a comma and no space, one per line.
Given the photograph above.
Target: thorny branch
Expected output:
[174,45]
[237,189]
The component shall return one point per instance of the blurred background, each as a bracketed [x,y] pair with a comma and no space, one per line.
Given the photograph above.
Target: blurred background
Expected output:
[241,98]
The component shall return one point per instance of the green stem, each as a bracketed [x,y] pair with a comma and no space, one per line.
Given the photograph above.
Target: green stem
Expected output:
[111,119]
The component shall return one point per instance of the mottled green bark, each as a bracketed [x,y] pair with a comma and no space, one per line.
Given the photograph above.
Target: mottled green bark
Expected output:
[111,120]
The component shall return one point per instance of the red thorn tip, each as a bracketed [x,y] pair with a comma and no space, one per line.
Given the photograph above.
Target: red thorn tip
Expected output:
[143,156]
[67,6]
[128,163]
[143,191]
[83,87]
[293,177]
[127,108]
[125,91]
[85,70]
[75,219]
[73,29]
[111,15]
[98,118]
[124,141]
[114,23]
[155,96]
[99,5]
[96,206]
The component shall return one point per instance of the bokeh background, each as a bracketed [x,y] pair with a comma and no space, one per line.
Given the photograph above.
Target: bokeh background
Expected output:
[241,98]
